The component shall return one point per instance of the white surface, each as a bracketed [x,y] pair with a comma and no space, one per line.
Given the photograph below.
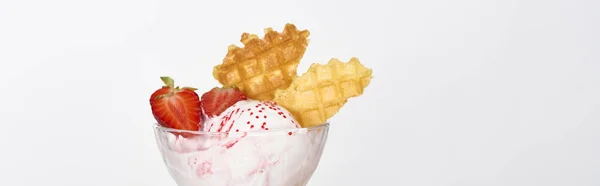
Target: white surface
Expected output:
[487,92]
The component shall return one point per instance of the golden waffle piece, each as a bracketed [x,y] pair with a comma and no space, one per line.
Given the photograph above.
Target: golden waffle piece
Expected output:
[263,65]
[319,93]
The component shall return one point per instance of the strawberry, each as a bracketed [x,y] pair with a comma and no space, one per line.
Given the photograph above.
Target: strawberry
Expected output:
[175,107]
[217,100]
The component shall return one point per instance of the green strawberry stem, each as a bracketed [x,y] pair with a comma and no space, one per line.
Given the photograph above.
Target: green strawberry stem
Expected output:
[168,81]
[171,83]
[191,88]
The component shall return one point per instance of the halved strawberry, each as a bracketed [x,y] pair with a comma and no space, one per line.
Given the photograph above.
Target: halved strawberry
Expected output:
[175,107]
[217,100]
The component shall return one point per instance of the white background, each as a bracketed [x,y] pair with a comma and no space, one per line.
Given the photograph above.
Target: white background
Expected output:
[465,92]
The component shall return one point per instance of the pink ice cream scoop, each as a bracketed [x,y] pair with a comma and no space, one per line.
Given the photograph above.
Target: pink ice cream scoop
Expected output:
[251,115]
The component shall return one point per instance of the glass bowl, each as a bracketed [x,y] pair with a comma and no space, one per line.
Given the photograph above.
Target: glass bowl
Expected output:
[283,157]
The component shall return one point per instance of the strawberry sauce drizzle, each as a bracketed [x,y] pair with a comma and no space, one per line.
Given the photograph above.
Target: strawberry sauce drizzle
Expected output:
[243,111]
[230,144]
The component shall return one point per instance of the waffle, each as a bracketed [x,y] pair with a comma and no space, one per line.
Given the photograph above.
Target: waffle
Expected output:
[263,65]
[319,93]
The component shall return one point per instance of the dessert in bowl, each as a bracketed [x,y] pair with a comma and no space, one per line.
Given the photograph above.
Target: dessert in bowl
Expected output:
[265,125]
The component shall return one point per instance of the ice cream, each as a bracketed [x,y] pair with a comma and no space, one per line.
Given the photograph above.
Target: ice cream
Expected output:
[251,115]
[274,157]
[261,144]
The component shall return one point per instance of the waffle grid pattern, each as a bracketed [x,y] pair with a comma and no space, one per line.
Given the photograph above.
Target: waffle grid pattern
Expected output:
[263,65]
[319,94]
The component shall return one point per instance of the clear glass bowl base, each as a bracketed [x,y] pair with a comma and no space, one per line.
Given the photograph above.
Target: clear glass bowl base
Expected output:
[286,157]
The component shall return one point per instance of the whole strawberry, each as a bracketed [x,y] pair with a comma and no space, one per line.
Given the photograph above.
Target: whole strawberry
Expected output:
[177,108]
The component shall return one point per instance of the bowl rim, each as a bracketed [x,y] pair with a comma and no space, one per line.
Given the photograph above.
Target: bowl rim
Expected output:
[161,128]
